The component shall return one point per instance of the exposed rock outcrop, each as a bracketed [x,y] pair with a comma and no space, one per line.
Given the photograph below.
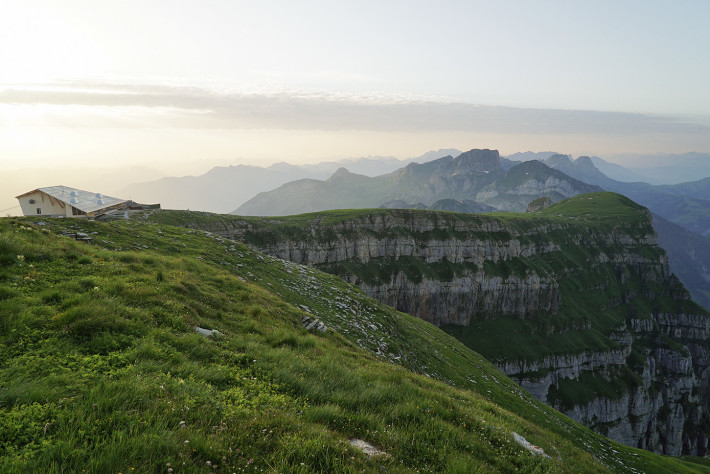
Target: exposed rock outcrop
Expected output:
[539,204]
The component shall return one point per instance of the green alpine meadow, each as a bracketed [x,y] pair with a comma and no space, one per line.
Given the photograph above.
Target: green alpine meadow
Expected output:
[145,345]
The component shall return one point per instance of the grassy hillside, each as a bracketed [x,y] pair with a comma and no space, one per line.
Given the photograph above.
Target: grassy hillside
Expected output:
[101,369]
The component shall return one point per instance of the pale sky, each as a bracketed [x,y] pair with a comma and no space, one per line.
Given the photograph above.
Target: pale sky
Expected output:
[171,83]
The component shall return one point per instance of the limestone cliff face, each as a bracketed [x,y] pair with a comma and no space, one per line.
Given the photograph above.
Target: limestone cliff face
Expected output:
[666,411]
[550,185]
[452,299]
[616,342]
[456,301]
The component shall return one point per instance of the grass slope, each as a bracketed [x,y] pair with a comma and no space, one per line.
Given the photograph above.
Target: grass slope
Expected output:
[101,369]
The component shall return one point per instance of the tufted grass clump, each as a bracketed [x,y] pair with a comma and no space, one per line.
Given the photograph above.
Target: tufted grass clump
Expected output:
[8,250]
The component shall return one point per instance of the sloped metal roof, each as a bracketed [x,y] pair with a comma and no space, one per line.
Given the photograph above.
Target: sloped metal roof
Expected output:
[83,200]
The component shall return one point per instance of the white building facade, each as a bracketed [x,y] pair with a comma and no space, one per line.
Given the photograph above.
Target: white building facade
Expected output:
[67,202]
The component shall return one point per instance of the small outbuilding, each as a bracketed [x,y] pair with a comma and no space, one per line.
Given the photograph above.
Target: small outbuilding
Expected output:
[70,202]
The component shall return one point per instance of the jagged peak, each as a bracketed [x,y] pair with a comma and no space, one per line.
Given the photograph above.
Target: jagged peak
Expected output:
[587,166]
[557,159]
[586,162]
[341,172]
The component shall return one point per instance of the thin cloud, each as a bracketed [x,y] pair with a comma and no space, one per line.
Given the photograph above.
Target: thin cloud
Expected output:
[194,107]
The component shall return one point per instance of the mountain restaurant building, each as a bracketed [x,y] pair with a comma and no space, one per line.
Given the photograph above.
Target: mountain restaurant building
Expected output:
[64,201]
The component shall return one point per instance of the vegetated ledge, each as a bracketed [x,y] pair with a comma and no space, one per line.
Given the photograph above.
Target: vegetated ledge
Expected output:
[557,290]
[102,370]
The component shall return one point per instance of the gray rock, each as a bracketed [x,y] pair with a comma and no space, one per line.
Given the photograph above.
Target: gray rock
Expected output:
[313,324]
[369,449]
[207,332]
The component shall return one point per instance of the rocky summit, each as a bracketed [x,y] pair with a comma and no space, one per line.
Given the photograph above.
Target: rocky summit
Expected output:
[574,302]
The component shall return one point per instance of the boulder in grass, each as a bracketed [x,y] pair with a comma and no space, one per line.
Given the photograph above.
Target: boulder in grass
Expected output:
[313,324]
[207,332]
[367,448]
[537,450]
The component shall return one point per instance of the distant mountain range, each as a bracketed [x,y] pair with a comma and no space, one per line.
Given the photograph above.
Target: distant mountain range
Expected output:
[477,175]
[616,172]
[659,169]
[689,255]
[685,204]
[611,170]
[215,191]
[499,183]
[667,168]
[223,188]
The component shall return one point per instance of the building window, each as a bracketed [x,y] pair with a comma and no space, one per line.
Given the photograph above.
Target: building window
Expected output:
[39,210]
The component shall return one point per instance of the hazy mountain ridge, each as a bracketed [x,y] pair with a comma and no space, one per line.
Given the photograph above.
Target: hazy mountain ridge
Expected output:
[667,168]
[223,188]
[530,155]
[616,171]
[689,256]
[474,175]
[215,190]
